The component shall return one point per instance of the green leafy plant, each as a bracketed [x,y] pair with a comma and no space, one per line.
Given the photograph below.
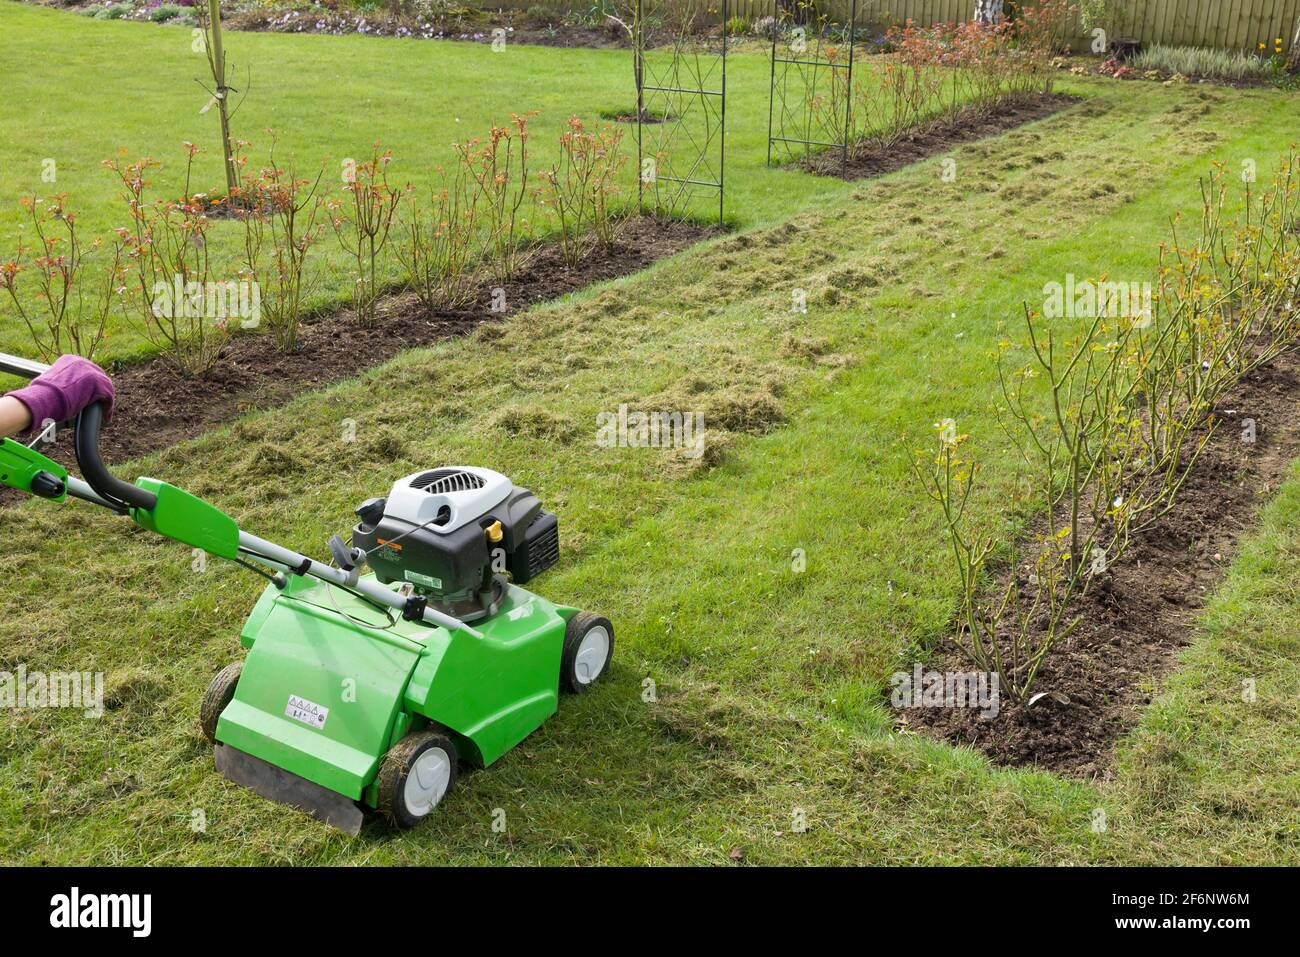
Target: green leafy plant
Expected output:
[1097,13]
[738,26]
[167,11]
[540,15]
[1231,65]
[601,11]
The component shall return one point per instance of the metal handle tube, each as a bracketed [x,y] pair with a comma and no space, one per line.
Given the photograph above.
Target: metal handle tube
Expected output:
[335,576]
[79,489]
[23,368]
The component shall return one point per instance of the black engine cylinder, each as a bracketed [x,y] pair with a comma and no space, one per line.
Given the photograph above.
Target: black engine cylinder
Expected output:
[449,566]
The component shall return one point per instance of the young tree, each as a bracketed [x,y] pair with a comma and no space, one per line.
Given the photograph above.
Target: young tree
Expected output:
[211,26]
[631,25]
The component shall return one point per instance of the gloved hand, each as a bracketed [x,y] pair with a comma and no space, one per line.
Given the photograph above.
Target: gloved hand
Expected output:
[64,389]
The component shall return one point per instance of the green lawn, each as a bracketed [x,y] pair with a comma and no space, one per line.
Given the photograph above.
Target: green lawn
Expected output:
[768,681]
[328,98]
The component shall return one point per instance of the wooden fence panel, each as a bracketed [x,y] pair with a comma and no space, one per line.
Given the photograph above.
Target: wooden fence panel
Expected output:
[1191,20]
[1159,17]
[1240,14]
[1151,20]
[1265,26]
[1199,28]
[1251,29]
[1182,20]
[1226,13]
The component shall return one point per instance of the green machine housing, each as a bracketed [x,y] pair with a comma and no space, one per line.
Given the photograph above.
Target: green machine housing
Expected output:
[330,682]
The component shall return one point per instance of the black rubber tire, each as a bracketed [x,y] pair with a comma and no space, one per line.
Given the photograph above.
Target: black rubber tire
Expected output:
[397,765]
[577,628]
[221,690]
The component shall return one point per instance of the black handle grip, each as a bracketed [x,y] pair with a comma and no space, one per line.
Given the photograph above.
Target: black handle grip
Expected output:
[93,469]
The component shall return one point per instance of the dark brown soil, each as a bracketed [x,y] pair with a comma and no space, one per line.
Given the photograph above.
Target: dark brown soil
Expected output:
[1132,629]
[649,119]
[572,36]
[869,160]
[217,206]
[156,409]
[523,29]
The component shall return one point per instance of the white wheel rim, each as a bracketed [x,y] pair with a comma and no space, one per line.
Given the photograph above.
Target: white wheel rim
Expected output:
[593,652]
[427,781]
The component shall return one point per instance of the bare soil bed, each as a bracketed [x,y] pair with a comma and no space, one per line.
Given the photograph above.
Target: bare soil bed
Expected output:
[867,160]
[470,26]
[1133,626]
[156,409]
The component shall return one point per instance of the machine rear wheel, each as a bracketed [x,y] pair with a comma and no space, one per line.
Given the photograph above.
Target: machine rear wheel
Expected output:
[221,690]
[416,775]
[588,647]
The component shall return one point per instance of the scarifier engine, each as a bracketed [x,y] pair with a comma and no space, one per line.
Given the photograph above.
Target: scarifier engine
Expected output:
[449,534]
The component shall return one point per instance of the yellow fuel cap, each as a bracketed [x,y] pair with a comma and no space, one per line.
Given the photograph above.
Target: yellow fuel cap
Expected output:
[495,532]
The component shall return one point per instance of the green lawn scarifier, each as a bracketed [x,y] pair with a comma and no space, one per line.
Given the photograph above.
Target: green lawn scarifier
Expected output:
[366,690]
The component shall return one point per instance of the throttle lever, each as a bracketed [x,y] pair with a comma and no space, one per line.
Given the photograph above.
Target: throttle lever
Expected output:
[347,559]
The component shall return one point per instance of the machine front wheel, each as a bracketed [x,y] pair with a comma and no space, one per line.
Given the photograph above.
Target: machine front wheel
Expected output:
[221,690]
[588,647]
[416,775]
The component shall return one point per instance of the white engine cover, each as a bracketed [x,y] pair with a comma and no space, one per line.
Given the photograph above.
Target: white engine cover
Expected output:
[414,504]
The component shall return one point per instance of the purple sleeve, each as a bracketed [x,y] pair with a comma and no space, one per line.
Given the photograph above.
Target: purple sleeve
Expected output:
[66,388]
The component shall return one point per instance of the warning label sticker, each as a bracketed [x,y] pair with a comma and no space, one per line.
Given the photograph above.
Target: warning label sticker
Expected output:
[308,712]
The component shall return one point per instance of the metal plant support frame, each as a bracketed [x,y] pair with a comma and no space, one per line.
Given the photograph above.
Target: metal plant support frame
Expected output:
[796,82]
[681,85]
